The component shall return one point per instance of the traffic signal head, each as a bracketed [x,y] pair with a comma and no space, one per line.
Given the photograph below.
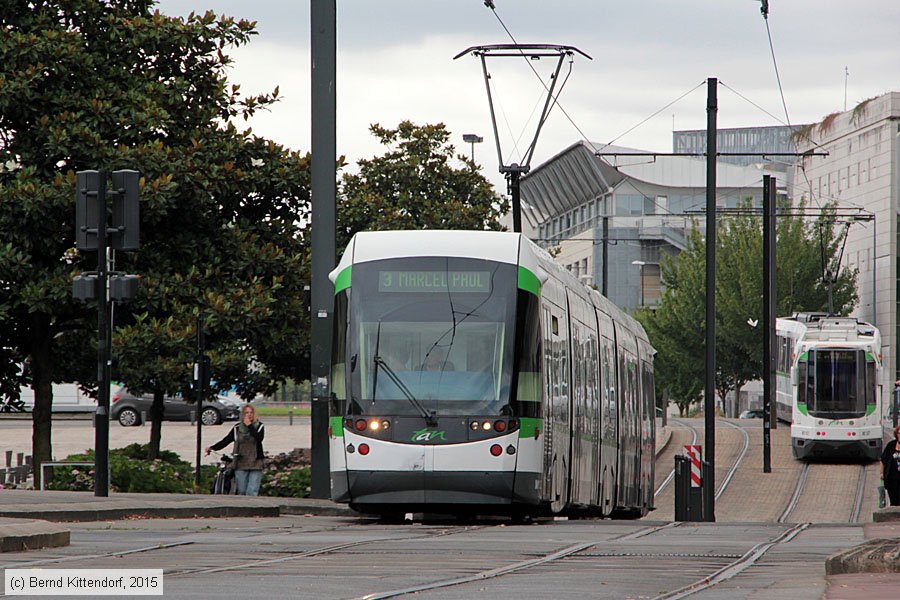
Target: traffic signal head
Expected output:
[126,210]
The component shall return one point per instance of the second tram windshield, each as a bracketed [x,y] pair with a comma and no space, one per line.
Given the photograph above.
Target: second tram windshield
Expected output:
[435,332]
[838,384]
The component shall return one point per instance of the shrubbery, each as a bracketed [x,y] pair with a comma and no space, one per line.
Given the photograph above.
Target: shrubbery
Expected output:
[285,475]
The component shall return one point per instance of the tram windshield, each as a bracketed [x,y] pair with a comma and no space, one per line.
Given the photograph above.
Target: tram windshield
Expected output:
[836,384]
[431,334]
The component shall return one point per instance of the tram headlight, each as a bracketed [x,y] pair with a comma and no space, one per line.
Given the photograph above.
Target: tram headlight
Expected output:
[486,425]
[374,425]
[385,425]
[361,425]
[499,426]
[474,425]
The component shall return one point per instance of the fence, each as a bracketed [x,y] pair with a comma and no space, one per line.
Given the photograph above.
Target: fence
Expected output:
[18,473]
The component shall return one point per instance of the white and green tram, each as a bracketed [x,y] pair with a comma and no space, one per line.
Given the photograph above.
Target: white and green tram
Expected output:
[828,373]
[473,374]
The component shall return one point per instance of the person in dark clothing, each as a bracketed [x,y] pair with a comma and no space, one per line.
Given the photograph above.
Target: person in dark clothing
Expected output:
[890,468]
[248,451]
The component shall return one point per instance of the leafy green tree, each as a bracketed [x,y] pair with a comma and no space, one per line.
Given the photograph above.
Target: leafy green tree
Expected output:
[86,84]
[677,326]
[415,185]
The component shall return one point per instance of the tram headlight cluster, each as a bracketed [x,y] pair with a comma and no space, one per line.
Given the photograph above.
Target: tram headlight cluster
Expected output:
[499,425]
[376,424]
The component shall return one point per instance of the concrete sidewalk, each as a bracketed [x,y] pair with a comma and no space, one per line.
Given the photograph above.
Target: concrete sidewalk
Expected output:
[31,519]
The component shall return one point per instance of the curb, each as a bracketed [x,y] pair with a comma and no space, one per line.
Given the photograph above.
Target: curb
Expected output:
[873,556]
[73,515]
[885,515]
[18,536]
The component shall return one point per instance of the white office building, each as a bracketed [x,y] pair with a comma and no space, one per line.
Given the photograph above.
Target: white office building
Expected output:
[862,170]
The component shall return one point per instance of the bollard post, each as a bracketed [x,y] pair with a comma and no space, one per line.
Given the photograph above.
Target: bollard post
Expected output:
[9,454]
[193,417]
[682,485]
[290,417]
[20,459]
[2,476]
[708,500]
[143,418]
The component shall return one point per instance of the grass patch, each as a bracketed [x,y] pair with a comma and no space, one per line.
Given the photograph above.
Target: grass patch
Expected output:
[281,411]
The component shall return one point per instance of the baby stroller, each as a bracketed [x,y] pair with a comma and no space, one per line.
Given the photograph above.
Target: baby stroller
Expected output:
[224,480]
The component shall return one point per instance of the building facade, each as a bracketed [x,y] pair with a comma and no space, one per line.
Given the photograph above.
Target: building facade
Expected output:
[649,204]
[862,171]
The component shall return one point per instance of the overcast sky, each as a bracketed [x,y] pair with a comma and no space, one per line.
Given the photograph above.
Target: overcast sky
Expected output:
[395,62]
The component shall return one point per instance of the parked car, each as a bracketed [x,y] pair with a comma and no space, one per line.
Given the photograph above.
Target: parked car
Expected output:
[128,409]
[751,414]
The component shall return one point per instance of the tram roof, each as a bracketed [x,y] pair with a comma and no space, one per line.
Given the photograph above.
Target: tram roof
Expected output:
[499,246]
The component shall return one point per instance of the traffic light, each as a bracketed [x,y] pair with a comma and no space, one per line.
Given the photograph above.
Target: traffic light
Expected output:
[87,209]
[125,210]
[84,287]
[123,288]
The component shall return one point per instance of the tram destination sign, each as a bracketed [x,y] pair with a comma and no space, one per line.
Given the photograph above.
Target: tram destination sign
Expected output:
[434,281]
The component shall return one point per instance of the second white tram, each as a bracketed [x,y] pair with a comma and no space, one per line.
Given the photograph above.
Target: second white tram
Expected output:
[828,372]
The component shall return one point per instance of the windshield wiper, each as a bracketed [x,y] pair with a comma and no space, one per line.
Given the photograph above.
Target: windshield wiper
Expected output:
[429,417]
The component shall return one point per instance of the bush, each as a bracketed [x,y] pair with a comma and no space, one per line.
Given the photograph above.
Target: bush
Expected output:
[286,475]
[130,471]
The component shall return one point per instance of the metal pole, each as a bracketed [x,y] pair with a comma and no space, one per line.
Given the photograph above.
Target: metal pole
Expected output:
[101,432]
[199,381]
[514,175]
[605,285]
[710,387]
[323,22]
[769,316]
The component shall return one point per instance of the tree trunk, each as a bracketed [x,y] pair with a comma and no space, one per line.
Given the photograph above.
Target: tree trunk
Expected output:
[42,383]
[737,401]
[157,409]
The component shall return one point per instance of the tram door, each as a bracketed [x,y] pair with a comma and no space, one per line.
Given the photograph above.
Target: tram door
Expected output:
[556,419]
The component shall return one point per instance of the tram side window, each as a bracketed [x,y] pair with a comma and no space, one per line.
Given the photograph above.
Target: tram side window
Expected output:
[339,355]
[528,331]
[871,382]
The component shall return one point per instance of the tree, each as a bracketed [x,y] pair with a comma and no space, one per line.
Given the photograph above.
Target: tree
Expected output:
[677,327]
[414,185]
[86,84]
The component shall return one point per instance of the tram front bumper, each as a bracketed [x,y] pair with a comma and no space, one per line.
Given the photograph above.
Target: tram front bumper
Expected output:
[825,448]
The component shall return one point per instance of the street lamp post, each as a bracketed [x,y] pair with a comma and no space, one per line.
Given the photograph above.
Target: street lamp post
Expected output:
[471,138]
[641,264]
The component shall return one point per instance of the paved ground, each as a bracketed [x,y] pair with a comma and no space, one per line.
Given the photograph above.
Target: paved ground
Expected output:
[37,519]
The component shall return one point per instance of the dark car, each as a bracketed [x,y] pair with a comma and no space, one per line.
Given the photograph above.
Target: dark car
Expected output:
[129,409]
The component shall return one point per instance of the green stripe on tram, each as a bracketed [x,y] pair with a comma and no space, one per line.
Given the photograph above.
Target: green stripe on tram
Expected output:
[337,426]
[343,280]
[870,408]
[529,282]
[528,425]
[801,406]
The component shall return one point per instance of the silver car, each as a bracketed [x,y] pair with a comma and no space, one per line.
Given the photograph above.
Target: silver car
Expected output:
[130,410]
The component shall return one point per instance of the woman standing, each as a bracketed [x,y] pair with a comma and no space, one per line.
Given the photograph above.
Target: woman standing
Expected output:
[248,451]
[890,468]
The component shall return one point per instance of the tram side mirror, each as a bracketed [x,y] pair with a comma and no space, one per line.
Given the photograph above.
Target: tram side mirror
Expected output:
[795,376]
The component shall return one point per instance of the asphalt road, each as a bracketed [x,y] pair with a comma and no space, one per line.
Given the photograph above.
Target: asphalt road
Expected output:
[70,436]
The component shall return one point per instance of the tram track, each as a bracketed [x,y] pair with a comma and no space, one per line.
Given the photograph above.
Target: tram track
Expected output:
[734,568]
[322,550]
[671,475]
[858,498]
[737,462]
